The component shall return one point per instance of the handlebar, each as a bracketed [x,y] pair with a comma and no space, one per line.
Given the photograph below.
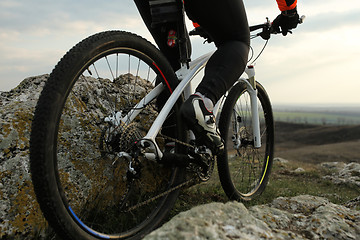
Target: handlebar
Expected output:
[267,30]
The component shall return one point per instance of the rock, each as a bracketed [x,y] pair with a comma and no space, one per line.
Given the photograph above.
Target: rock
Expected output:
[333,166]
[345,174]
[353,203]
[299,170]
[302,217]
[215,221]
[280,160]
[19,212]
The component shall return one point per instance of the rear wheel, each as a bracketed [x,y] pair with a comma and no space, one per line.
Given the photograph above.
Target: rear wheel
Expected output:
[243,169]
[90,179]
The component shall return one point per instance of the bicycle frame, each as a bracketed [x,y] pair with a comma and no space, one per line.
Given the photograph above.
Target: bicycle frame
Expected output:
[186,75]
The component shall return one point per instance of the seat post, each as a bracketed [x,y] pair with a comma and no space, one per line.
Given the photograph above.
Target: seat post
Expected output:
[184,41]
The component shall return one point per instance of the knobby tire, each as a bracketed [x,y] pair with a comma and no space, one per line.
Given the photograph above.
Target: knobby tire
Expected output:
[82,185]
[244,170]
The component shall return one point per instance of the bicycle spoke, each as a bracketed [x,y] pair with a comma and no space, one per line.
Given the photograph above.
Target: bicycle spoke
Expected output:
[110,139]
[247,168]
[104,186]
[112,74]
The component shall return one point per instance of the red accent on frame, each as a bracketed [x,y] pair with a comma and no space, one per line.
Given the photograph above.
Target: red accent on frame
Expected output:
[166,81]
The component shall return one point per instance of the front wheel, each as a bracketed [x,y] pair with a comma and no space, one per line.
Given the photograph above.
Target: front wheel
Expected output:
[243,169]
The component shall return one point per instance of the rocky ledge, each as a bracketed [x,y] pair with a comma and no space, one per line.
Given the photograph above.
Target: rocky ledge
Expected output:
[302,217]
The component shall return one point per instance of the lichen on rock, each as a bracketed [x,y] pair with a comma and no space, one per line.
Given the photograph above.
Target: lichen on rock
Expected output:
[301,217]
[90,100]
[19,211]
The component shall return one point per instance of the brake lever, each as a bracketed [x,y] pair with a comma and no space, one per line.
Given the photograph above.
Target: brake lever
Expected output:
[266,32]
[302,19]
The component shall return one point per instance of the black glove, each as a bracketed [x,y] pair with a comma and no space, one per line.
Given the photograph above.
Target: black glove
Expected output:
[286,20]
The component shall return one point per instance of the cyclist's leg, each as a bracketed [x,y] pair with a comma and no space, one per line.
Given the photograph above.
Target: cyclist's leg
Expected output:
[227,24]
[160,34]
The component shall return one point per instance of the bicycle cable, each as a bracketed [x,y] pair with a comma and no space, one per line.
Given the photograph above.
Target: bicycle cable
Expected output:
[262,50]
[252,53]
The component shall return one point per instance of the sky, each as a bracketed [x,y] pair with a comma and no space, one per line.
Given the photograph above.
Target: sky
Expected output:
[317,64]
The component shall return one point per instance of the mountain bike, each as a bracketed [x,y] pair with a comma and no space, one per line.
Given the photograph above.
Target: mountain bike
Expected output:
[108,161]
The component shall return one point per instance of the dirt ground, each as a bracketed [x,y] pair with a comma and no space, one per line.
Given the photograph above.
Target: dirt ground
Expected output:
[315,144]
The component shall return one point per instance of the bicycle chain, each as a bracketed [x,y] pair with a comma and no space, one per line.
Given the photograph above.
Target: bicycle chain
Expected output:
[169,190]
[177,141]
[159,196]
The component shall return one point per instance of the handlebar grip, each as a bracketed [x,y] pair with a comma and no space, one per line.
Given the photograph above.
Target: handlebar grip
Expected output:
[302,19]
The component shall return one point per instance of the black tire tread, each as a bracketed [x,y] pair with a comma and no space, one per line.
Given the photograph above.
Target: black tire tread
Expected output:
[42,171]
[223,167]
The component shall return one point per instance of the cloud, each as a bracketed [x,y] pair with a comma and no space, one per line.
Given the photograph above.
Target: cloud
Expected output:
[28,16]
[318,68]
[332,20]
[310,65]
[9,4]
[35,34]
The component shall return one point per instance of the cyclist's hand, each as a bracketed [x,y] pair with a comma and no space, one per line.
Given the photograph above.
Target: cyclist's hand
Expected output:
[285,22]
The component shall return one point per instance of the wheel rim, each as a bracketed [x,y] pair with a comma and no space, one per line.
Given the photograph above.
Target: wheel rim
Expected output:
[96,185]
[248,166]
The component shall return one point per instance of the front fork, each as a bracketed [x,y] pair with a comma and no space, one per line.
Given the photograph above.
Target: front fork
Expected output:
[251,88]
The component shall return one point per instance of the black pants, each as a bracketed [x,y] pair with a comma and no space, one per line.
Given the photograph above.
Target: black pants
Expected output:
[226,22]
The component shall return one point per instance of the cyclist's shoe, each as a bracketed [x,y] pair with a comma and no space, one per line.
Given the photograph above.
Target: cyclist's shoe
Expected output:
[202,123]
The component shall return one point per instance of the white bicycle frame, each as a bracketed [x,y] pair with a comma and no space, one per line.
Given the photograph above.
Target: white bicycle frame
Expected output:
[186,75]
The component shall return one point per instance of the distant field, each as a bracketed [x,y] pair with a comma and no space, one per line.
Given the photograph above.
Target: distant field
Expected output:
[318,116]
